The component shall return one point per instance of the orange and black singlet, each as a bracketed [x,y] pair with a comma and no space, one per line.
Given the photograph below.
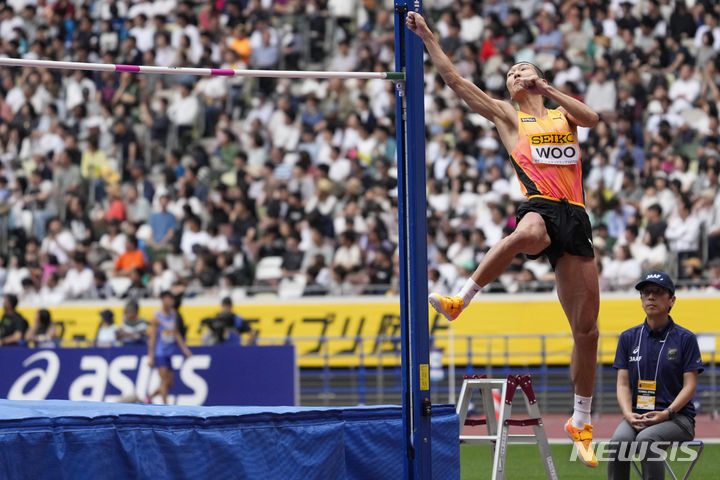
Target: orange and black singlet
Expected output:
[546,158]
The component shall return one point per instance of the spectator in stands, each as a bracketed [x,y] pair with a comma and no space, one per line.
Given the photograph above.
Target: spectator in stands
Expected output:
[144,187]
[709,25]
[162,222]
[623,269]
[548,44]
[137,290]
[183,111]
[66,177]
[712,225]
[193,237]
[683,232]
[344,59]
[714,280]
[78,281]
[114,240]
[13,325]
[101,288]
[78,221]
[348,255]
[58,242]
[461,251]
[94,162]
[240,44]
[116,210]
[218,241]
[132,258]
[137,207]
[52,292]
[601,93]
[381,271]
[658,363]
[107,330]
[133,331]
[339,284]
[44,332]
[292,257]
[685,90]
[16,272]
[165,341]
[30,296]
[471,24]
[37,203]
[162,277]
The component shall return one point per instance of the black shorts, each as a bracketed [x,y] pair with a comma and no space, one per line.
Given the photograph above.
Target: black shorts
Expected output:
[567,225]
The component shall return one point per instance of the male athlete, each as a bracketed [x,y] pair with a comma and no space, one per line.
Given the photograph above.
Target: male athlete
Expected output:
[546,158]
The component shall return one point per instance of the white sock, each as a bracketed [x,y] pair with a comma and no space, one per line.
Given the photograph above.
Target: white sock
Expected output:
[581,411]
[468,291]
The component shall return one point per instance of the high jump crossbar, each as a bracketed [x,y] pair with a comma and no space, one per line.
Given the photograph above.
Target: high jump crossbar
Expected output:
[207,72]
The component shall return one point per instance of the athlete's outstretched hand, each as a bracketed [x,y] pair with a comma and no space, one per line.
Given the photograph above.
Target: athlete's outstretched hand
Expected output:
[416,24]
[531,82]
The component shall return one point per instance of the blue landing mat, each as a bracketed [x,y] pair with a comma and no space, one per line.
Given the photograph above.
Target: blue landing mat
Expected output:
[57,439]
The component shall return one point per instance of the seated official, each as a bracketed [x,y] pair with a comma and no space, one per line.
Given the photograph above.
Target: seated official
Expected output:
[658,363]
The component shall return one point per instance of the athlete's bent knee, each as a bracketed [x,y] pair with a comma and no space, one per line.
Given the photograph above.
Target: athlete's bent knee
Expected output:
[532,239]
[586,337]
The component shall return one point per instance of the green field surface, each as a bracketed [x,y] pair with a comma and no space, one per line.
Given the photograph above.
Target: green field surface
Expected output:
[523,462]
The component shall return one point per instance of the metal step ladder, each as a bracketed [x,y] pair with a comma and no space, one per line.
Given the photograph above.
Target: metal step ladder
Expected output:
[499,438]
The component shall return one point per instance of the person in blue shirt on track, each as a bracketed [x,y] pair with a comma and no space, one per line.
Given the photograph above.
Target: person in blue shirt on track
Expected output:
[164,342]
[658,363]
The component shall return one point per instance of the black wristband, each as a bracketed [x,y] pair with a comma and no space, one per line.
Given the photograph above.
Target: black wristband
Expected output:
[671,412]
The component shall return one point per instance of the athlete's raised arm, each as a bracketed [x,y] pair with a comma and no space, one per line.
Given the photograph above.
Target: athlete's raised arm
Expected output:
[479,101]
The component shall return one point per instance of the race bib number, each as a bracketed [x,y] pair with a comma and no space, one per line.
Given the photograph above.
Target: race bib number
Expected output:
[168,336]
[646,394]
[554,149]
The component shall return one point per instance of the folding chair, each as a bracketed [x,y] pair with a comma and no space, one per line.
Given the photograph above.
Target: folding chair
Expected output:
[693,444]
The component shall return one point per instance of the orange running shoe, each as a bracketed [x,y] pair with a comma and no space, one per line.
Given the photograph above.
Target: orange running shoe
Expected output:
[582,437]
[450,307]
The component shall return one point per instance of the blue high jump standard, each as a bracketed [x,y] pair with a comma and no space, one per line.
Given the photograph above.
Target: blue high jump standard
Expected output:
[415,339]
[60,439]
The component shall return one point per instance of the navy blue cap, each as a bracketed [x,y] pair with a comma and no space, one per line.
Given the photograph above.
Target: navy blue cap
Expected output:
[107,315]
[658,278]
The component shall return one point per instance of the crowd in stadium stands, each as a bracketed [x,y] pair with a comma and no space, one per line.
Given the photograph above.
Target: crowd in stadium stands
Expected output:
[124,186]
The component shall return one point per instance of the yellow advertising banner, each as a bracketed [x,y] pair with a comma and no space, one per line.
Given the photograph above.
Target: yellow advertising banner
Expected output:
[348,334]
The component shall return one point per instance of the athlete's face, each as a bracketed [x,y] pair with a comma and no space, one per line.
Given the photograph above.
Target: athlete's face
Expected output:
[513,77]
[168,302]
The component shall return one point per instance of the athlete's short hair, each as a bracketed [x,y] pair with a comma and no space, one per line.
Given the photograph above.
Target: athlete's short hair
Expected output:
[538,70]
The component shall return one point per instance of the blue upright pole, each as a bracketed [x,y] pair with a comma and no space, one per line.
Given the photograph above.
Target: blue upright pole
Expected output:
[413,247]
